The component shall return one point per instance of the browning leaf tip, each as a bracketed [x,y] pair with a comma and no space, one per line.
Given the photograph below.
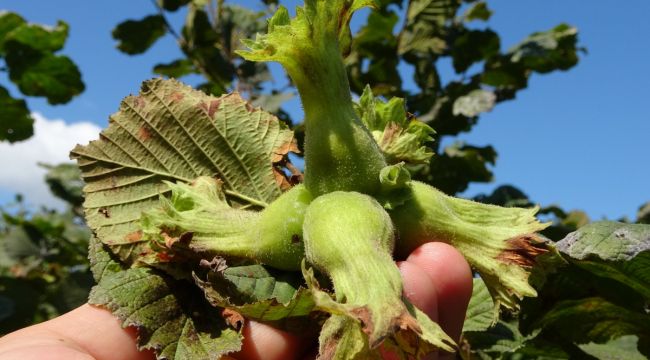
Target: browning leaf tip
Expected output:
[523,250]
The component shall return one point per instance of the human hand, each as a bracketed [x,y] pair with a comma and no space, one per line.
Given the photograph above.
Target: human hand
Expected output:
[437,280]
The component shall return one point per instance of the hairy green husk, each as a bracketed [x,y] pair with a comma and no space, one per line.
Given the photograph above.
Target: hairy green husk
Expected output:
[340,152]
[198,217]
[499,242]
[350,237]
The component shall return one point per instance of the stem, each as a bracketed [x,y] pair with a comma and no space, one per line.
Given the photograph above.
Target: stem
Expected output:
[246,198]
[340,153]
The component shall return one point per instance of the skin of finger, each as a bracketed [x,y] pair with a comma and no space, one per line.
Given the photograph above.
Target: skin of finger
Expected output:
[87,330]
[34,343]
[419,289]
[263,342]
[44,351]
[451,276]
[421,292]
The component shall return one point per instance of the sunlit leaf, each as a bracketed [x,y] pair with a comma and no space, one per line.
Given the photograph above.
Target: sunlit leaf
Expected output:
[477,11]
[474,103]
[623,348]
[480,311]
[38,37]
[172,132]
[543,52]
[613,250]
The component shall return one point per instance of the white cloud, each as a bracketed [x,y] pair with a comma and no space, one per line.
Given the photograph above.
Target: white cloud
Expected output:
[51,143]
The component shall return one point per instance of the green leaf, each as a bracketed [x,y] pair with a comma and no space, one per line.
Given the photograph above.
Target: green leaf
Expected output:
[205,46]
[342,338]
[643,216]
[434,11]
[170,315]
[136,36]
[477,11]
[507,196]
[273,102]
[576,294]
[15,122]
[424,30]
[613,250]
[268,298]
[607,240]
[175,69]
[502,73]
[400,137]
[257,282]
[238,23]
[547,51]
[8,22]
[374,58]
[39,37]
[500,339]
[55,77]
[458,165]
[474,103]
[102,262]
[480,311]
[593,320]
[623,348]
[65,182]
[29,50]
[472,46]
[422,39]
[172,5]
[174,133]
[17,247]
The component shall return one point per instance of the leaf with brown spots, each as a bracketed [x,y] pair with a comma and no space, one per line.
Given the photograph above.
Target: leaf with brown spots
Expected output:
[172,132]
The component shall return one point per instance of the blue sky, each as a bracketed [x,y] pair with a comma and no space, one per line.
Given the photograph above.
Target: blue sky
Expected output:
[573,138]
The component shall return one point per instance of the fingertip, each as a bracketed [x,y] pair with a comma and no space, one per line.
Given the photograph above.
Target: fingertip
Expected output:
[265,342]
[452,278]
[446,266]
[419,289]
